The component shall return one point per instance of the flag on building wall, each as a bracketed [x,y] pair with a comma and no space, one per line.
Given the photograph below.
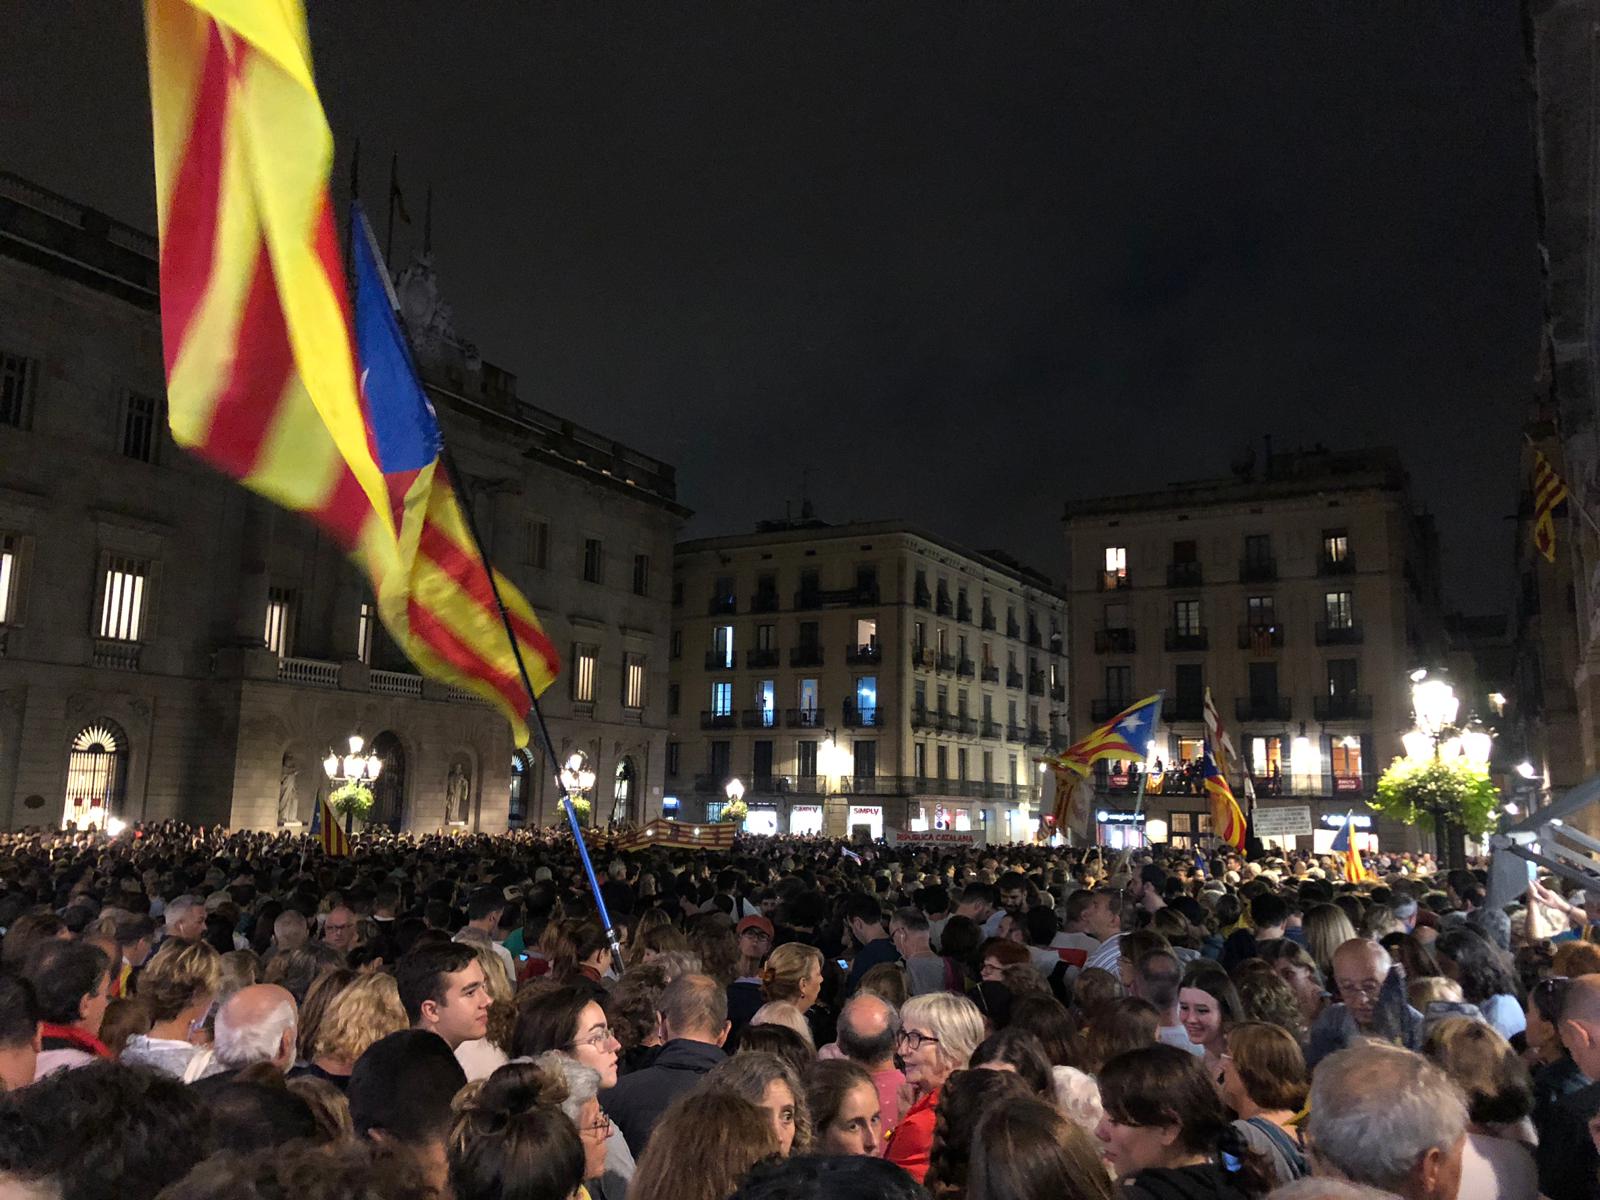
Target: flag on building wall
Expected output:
[260,341]
[1227,821]
[325,828]
[1548,491]
[1344,844]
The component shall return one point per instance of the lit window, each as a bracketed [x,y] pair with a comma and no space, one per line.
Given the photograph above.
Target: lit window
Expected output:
[1340,610]
[1186,618]
[722,699]
[280,613]
[867,698]
[722,645]
[364,630]
[122,599]
[583,664]
[139,427]
[1335,546]
[8,576]
[633,681]
[1116,567]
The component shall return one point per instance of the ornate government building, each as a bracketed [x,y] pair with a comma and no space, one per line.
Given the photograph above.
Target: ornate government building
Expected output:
[171,646]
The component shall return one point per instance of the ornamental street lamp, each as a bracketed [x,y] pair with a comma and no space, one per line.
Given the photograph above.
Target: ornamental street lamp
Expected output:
[353,769]
[1437,737]
[578,779]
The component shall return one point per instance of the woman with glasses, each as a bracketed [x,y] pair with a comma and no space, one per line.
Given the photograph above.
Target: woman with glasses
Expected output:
[568,1021]
[938,1033]
[582,1107]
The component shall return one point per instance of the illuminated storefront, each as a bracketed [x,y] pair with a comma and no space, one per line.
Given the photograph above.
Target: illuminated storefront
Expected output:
[805,820]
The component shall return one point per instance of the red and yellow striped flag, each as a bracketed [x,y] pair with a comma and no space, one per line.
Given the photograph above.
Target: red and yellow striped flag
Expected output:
[1548,491]
[262,356]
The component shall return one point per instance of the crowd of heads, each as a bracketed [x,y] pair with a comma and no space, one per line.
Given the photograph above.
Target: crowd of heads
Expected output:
[189,1013]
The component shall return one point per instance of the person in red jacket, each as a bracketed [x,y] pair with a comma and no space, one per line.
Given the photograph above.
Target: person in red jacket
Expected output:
[938,1033]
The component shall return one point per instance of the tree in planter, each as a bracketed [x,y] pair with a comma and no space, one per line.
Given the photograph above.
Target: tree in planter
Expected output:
[352,801]
[734,812]
[1451,796]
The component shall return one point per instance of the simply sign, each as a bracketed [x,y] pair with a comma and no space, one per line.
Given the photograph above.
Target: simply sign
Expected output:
[1291,821]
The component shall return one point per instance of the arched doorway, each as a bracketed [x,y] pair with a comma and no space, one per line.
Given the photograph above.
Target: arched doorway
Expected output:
[97,772]
[389,789]
[521,787]
[622,793]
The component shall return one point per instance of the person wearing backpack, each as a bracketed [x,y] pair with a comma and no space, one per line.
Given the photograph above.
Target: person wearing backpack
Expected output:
[1264,1080]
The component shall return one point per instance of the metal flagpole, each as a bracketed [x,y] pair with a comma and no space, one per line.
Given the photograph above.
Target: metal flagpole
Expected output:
[447,460]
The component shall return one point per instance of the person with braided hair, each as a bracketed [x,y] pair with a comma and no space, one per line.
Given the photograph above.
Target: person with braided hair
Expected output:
[963,1100]
[511,1138]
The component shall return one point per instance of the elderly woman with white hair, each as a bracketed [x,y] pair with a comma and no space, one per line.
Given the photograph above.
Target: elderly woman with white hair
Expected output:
[582,1105]
[938,1033]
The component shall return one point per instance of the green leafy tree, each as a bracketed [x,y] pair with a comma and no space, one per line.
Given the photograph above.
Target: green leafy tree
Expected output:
[352,800]
[734,812]
[1458,792]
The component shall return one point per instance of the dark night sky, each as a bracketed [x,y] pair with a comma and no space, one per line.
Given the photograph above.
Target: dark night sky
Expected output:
[964,261]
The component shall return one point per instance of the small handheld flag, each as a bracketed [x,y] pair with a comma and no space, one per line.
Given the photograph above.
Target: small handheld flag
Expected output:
[1344,843]
[325,828]
[1227,821]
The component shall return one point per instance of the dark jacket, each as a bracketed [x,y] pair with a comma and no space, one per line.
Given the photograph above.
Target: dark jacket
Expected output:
[880,950]
[1204,1182]
[638,1100]
[744,1001]
[1569,1168]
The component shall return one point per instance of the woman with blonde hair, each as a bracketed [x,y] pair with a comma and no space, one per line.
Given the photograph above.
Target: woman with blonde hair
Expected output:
[772,1086]
[653,933]
[787,1015]
[702,1146]
[938,1033]
[1326,928]
[178,985]
[322,993]
[1497,1163]
[792,974]
[366,1010]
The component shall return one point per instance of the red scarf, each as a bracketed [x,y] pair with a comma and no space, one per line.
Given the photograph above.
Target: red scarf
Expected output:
[75,1038]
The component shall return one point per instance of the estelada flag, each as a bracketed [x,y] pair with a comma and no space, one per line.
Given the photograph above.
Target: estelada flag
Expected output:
[1344,843]
[261,355]
[1548,491]
[325,828]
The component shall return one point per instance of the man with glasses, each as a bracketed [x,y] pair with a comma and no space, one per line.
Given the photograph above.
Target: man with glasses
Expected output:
[745,994]
[1371,997]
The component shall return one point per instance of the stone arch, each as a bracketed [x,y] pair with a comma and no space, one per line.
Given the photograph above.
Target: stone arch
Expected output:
[97,775]
[392,787]
[625,785]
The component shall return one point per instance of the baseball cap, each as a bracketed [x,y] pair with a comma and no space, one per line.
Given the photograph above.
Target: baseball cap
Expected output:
[754,922]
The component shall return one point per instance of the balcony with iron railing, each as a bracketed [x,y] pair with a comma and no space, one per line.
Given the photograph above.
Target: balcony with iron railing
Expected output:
[1058,692]
[765,602]
[1013,678]
[860,716]
[922,657]
[1345,706]
[966,668]
[805,656]
[1262,708]
[922,598]
[989,728]
[1343,565]
[944,662]
[1038,736]
[1345,634]
[1261,637]
[1036,683]
[709,784]
[759,718]
[710,719]
[756,659]
[986,620]
[921,718]
[1104,709]
[1258,570]
[804,718]
[721,660]
[961,723]
[1184,574]
[807,598]
[722,604]
[1188,639]
[859,656]
[989,673]
[1035,638]
[1013,630]
[943,605]
[1183,708]
[964,613]
[1114,641]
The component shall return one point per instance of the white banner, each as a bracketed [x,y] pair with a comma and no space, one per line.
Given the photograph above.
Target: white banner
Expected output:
[1290,821]
[935,837]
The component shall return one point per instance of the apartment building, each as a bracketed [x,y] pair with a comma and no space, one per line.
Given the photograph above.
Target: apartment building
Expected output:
[172,646]
[1300,590]
[865,675]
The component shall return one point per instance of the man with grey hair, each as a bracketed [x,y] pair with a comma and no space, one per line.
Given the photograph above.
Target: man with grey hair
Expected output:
[583,1085]
[258,1024]
[925,971]
[1372,1003]
[867,1030]
[1387,1117]
[186,918]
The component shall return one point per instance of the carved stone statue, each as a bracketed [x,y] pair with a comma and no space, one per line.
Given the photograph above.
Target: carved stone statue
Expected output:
[457,793]
[289,791]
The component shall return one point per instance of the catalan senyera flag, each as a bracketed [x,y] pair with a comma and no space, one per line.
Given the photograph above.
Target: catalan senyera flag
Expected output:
[1344,843]
[325,828]
[1227,820]
[1548,491]
[679,835]
[265,377]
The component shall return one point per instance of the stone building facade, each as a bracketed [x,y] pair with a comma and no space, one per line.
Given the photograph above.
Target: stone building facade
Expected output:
[867,674]
[171,646]
[1301,591]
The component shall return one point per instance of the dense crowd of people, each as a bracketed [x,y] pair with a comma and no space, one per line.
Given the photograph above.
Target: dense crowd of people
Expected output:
[191,1014]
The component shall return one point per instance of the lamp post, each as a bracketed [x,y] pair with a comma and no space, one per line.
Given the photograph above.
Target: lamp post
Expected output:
[577,778]
[352,768]
[1439,737]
